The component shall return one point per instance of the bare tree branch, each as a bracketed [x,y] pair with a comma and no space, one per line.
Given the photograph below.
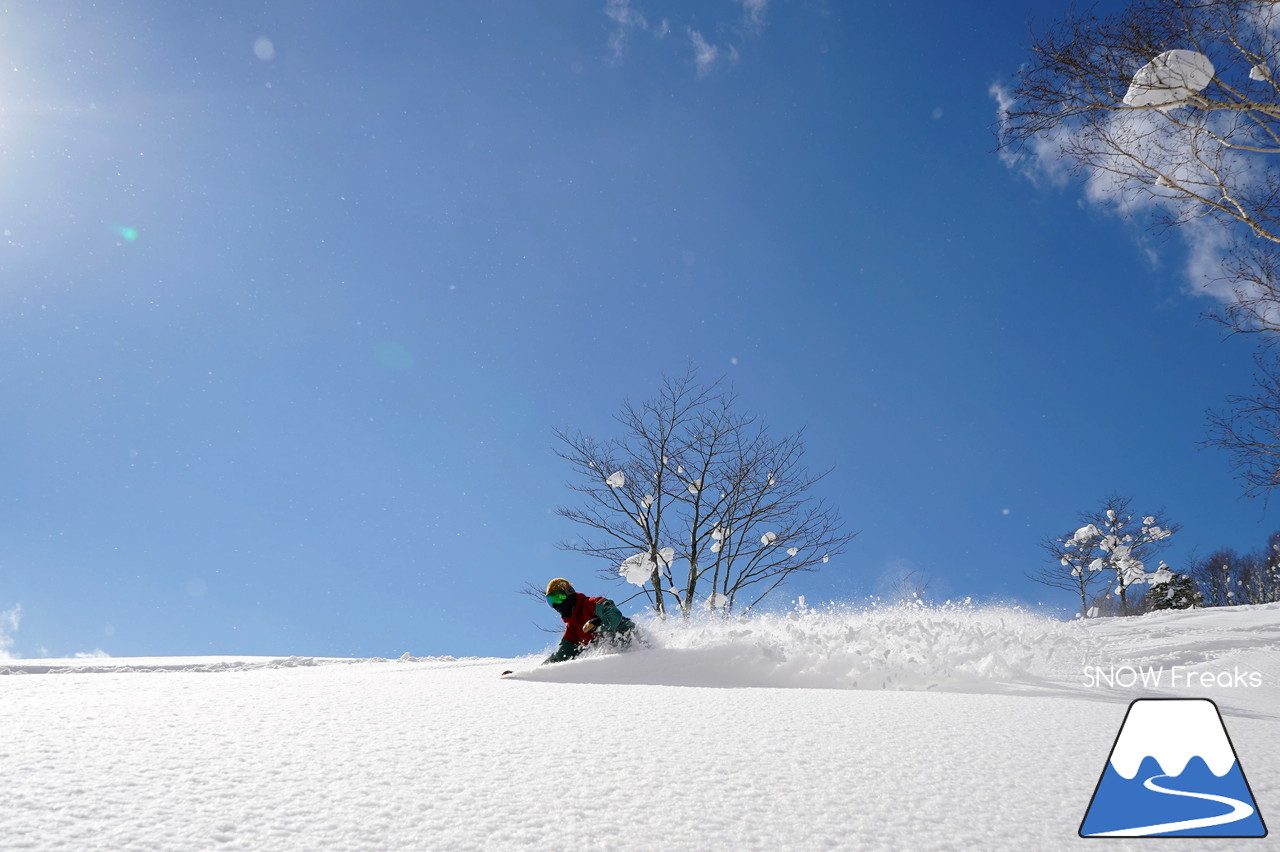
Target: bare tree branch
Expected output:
[1104,96]
[693,480]
[1249,430]
[1076,565]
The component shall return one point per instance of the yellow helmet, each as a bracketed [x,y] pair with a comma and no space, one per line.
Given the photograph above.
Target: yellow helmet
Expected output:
[561,585]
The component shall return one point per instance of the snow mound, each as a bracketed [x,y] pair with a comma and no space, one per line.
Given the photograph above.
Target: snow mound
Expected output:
[1208,639]
[906,647]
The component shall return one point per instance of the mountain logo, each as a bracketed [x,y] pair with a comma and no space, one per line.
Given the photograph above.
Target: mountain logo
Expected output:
[1172,772]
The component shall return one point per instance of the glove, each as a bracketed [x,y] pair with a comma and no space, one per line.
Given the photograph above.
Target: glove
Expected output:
[591,626]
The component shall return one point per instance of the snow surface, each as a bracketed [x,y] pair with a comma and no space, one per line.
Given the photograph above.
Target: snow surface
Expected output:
[885,728]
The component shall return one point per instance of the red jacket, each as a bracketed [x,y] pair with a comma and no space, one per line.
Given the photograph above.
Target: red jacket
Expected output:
[584,609]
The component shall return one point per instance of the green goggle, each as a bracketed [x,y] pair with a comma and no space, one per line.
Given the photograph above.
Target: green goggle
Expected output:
[556,598]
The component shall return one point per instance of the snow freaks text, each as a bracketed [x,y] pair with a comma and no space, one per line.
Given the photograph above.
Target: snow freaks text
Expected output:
[1152,677]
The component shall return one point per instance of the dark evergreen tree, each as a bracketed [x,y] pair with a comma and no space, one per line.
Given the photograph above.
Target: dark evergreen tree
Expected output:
[1178,593]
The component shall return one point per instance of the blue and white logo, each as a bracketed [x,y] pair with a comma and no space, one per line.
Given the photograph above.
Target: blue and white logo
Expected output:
[1173,773]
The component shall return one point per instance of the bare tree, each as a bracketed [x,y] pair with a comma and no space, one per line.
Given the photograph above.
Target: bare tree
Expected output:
[1249,430]
[1219,574]
[907,586]
[1270,570]
[1170,101]
[1077,564]
[696,501]
[1228,578]
[1170,110]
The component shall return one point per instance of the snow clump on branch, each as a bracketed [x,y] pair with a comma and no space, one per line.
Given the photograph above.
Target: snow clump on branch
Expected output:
[638,569]
[1169,80]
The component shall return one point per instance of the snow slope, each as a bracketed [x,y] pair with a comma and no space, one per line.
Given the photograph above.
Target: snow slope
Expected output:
[893,728]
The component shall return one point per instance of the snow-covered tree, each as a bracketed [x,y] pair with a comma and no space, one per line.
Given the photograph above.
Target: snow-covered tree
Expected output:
[1075,564]
[1111,547]
[1169,111]
[696,502]
[1127,541]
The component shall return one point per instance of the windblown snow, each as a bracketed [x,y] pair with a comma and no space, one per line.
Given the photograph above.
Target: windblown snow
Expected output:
[882,728]
[949,648]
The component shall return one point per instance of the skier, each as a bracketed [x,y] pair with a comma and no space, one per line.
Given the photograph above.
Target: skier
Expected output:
[587,621]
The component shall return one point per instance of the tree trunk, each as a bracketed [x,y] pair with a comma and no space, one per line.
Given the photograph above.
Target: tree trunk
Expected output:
[659,607]
[692,584]
[715,585]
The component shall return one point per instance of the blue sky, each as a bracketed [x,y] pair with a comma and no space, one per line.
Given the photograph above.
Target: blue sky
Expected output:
[292,297]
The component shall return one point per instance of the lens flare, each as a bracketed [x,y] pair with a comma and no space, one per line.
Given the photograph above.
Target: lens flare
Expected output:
[393,355]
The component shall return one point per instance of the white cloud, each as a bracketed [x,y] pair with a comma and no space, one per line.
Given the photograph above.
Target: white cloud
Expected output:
[621,12]
[1113,182]
[1039,162]
[625,20]
[704,54]
[753,12]
[1206,242]
[9,621]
